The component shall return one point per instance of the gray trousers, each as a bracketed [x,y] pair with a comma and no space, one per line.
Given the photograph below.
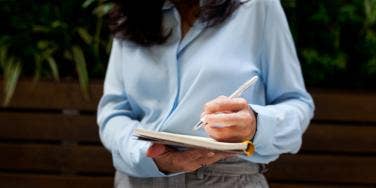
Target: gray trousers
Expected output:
[233,173]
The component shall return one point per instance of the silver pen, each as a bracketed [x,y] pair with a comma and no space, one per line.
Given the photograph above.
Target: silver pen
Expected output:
[237,93]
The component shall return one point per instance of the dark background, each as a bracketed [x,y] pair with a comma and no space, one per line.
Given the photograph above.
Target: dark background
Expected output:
[69,40]
[56,52]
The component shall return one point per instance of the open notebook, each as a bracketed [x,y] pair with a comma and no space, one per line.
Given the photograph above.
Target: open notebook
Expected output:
[181,140]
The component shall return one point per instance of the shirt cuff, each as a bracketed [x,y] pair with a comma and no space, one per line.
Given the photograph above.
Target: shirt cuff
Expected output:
[149,165]
[266,125]
[155,170]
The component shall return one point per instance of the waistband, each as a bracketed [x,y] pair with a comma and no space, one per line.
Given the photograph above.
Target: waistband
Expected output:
[231,167]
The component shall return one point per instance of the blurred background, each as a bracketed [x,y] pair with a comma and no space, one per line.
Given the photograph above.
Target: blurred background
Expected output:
[53,58]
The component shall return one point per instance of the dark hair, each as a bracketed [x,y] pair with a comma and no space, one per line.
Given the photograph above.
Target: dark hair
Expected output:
[140,21]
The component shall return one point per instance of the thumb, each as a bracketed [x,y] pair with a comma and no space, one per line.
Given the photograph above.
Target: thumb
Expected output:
[156,150]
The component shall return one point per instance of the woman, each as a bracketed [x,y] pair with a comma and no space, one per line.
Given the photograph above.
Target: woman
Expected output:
[169,63]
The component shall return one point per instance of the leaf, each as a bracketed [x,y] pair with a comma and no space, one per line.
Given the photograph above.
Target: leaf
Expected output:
[85,36]
[38,67]
[103,9]
[56,23]
[79,59]
[321,15]
[348,13]
[42,44]
[370,10]
[109,46]
[88,3]
[59,24]
[371,66]
[340,61]
[53,66]
[11,74]
[289,3]
[41,29]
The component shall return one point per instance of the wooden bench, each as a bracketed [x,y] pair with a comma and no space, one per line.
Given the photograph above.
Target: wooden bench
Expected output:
[49,138]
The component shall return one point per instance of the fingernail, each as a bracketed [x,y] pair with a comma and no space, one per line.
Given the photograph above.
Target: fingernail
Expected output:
[210,154]
[218,126]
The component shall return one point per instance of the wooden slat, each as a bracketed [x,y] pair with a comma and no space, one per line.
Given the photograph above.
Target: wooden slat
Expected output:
[55,158]
[39,126]
[345,105]
[310,185]
[324,168]
[89,159]
[53,95]
[49,181]
[330,104]
[340,138]
[318,137]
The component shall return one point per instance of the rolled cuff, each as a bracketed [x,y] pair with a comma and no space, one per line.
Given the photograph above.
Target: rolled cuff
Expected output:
[266,125]
[134,161]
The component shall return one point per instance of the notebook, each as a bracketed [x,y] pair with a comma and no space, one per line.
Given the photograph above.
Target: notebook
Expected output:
[187,141]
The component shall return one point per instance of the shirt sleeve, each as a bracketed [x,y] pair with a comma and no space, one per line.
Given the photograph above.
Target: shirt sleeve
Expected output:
[116,122]
[289,108]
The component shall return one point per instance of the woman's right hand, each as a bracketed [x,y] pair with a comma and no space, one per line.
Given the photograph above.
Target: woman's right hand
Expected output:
[169,160]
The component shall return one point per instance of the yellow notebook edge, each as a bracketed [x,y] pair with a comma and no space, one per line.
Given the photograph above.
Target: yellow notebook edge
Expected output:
[250,148]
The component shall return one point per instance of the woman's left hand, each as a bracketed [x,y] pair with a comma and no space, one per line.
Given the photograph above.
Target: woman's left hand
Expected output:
[229,119]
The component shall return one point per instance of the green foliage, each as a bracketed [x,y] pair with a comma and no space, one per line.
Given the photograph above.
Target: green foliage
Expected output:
[336,41]
[50,39]
[12,70]
[79,58]
[54,39]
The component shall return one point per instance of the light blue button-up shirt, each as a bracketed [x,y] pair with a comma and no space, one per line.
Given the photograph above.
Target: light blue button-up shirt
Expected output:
[164,87]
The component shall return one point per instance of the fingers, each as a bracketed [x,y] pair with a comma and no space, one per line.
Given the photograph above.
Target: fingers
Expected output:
[226,119]
[187,161]
[228,134]
[192,154]
[213,158]
[206,158]
[225,104]
[229,119]
[232,127]
[179,161]
[156,150]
